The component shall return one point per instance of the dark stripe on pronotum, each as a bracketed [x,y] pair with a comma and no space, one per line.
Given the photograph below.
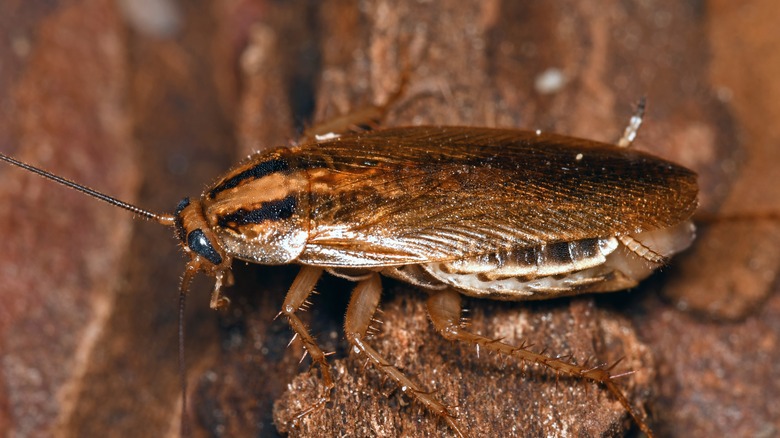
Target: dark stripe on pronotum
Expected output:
[268,211]
[199,243]
[263,169]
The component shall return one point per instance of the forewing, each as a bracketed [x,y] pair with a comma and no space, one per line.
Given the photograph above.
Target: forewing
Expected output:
[421,194]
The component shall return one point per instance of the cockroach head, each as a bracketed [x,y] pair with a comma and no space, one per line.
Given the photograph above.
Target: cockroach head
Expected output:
[197,238]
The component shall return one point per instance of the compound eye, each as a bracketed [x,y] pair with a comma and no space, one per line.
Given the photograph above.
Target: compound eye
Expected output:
[200,244]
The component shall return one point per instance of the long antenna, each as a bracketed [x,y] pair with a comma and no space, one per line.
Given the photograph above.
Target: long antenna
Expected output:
[164,219]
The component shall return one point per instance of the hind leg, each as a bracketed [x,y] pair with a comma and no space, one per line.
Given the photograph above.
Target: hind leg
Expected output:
[444,309]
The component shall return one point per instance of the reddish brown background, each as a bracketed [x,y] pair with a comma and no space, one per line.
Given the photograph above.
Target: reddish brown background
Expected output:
[152,113]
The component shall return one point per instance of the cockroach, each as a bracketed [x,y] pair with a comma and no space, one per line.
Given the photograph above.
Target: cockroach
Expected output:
[491,213]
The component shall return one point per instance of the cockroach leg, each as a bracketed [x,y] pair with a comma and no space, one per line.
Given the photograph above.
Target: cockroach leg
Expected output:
[629,134]
[363,119]
[302,287]
[444,308]
[221,278]
[362,306]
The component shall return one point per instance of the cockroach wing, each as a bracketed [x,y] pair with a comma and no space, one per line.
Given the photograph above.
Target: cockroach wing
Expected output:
[422,194]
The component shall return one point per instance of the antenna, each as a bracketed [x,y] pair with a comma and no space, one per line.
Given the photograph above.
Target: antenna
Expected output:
[164,219]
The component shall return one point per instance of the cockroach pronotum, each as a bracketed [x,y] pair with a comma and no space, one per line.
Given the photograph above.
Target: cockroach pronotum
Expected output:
[491,213]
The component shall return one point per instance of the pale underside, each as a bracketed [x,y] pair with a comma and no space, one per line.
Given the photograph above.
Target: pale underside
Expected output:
[546,271]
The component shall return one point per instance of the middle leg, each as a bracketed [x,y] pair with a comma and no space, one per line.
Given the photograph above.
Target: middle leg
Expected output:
[362,306]
[302,287]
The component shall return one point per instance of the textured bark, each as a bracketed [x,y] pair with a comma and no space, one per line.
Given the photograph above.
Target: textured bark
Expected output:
[63,85]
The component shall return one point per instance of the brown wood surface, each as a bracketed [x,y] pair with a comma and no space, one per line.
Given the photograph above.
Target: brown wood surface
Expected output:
[151,114]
